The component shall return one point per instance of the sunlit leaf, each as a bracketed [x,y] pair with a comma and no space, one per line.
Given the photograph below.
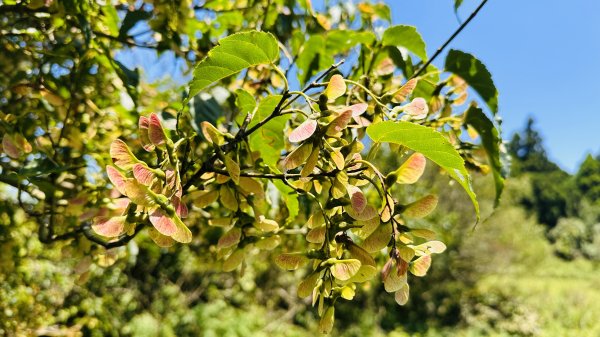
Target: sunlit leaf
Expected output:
[431,144]
[228,198]
[143,127]
[404,92]
[345,269]
[347,293]
[233,169]
[305,288]
[268,243]
[336,87]
[160,239]
[290,261]
[234,260]
[297,157]
[412,169]
[233,54]
[121,155]
[357,199]
[339,123]
[378,240]
[326,322]
[303,131]
[422,207]
[365,273]
[143,174]
[417,108]
[156,134]
[109,226]
[402,294]
[423,233]
[116,178]
[420,266]
[211,133]
[205,198]
[267,225]
[394,281]
[316,235]
[10,147]
[361,255]
[407,37]
[475,74]
[369,212]
[231,238]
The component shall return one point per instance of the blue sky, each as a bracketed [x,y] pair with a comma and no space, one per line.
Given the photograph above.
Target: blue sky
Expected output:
[544,56]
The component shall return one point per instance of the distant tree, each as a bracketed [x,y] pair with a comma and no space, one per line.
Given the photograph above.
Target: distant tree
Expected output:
[528,152]
[587,178]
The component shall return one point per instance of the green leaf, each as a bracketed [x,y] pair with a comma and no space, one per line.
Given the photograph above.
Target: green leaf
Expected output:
[233,54]
[457,4]
[245,103]
[269,138]
[344,269]
[431,144]
[490,140]
[475,74]
[290,199]
[407,37]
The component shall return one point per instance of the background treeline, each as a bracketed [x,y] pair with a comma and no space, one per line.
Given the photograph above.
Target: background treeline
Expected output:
[529,269]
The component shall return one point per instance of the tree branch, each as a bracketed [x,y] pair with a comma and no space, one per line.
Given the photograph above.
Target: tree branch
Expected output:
[455,34]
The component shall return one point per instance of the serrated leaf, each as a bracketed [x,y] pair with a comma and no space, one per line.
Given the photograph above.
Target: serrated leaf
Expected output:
[420,266]
[269,139]
[344,269]
[109,226]
[303,131]
[470,69]
[402,294]
[407,37]
[290,261]
[336,87]
[230,238]
[378,240]
[234,260]
[431,144]
[412,169]
[233,54]
[491,141]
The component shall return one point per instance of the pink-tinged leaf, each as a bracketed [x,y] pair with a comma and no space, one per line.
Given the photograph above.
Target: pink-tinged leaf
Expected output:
[369,212]
[378,240]
[417,108]
[159,239]
[163,224]
[120,205]
[297,157]
[290,261]
[173,183]
[109,227]
[412,169]
[402,94]
[339,123]
[156,134]
[393,281]
[358,109]
[357,198]
[121,155]
[231,238]
[143,174]
[316,235]
[421,207]
[386,67]
[303,131]
[181,208]
[139,194]
[10,147]
[336,87]
[402,294]
[144,125]
[116,178]
[420,266]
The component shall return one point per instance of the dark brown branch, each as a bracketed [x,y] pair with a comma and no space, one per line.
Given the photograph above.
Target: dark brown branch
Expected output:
[285,176]
[455,34]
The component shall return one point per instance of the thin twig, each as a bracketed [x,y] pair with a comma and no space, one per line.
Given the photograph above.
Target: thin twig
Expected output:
[440,49]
